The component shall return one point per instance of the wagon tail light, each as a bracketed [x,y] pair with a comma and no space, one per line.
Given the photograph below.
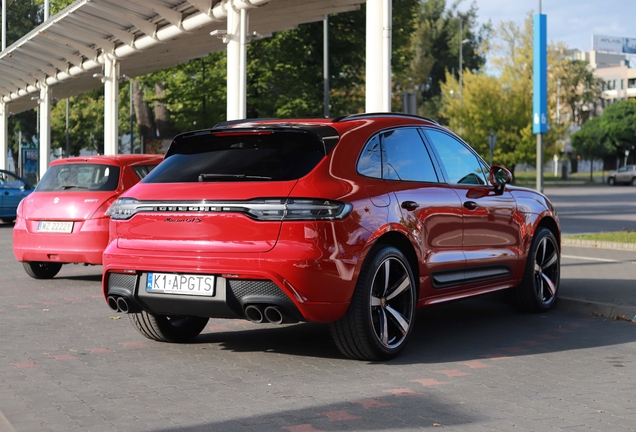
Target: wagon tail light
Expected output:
[266,209]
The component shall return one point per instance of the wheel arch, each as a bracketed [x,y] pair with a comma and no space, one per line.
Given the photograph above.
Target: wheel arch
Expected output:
[552,225]
[404,245]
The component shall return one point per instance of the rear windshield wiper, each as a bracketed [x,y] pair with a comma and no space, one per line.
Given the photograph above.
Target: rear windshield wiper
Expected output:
[203,177]
[64,187]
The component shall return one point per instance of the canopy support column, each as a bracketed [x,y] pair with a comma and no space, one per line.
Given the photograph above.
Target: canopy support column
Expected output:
[45,128]
[236,39]
[378,56]
[4,121]
[111,105]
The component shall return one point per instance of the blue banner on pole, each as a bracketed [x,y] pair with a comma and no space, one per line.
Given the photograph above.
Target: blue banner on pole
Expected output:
[540,70]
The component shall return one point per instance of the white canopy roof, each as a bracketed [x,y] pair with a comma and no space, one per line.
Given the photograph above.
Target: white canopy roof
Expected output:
[144,35]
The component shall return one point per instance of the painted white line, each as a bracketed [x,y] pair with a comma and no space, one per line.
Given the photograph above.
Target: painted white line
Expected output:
[5,426]
[596,259]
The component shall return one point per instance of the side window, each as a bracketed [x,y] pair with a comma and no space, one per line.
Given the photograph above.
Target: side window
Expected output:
[405,157]
[370,162]
[143,170]
[9,181]
[460,164]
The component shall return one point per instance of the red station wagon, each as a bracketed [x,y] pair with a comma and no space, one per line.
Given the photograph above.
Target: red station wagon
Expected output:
[63,220]
[354,221]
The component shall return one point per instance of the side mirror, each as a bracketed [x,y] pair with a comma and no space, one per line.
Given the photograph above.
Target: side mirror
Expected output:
[499,178]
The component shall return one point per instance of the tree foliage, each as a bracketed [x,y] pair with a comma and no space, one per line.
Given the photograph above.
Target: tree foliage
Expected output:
[592,141]
[434,49]
[613,133]
[86,123]
[284,72]
[501,103]
[619,122]
[284,76]
[576,86]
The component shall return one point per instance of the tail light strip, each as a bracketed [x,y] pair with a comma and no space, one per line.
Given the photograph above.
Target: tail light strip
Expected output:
[267,209]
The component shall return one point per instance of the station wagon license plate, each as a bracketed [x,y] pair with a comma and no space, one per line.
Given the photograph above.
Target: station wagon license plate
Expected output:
[187,284]
[55,226]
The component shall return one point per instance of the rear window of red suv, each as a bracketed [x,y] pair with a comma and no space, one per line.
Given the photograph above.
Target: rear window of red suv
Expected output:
[240,155]
[79,177]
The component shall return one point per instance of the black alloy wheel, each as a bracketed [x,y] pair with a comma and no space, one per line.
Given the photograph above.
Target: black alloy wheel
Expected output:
[381,315]
[540,285]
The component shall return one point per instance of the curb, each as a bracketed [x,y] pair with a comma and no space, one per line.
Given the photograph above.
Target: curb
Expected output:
[598,244]
[608,310]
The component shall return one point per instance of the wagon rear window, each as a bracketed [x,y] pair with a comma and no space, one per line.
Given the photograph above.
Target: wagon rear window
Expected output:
[240,156]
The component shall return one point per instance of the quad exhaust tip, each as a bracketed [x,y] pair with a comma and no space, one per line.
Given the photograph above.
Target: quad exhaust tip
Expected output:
[274,315]
[120,304]
[260,314]
[254,314]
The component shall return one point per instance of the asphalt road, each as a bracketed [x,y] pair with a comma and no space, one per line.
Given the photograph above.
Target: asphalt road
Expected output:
[589,209]
[68,363]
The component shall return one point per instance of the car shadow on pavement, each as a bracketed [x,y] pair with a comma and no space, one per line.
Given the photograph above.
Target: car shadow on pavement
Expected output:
[482,328]
[388,413]
[82,278]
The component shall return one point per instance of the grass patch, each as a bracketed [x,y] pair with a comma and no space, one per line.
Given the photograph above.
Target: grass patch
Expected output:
[618,237]
[530,177]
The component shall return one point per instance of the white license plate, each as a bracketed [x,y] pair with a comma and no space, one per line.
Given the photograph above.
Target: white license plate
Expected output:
[187,284]
[54,226]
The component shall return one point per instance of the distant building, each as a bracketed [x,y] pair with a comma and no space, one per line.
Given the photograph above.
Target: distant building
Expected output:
[615,71]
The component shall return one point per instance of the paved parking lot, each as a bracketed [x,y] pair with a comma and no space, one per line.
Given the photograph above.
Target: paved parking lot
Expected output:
[68,363]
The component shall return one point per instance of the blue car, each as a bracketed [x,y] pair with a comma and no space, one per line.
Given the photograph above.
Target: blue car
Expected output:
[12,189]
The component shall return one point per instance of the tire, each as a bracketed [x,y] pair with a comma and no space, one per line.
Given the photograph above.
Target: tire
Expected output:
[162,328]
[540,284]
[381,314]
[41,270]
[611,181]
[8,220]
[633,182]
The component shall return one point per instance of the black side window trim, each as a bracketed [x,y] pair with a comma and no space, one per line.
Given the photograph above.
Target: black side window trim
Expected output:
[427,147]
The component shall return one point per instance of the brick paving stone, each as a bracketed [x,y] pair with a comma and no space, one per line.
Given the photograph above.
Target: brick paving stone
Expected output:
[239,376]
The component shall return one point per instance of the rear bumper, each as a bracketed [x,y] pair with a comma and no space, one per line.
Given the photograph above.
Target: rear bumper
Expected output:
[307,280]
[85,244]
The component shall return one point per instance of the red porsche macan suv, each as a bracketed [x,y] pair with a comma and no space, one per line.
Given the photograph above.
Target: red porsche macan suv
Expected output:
[355,221]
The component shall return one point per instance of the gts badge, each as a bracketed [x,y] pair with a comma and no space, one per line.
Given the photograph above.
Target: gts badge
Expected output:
[190,220]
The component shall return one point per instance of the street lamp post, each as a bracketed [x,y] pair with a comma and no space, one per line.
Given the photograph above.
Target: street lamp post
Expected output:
[461,67]
[492,140]
[68,140]
[325,64]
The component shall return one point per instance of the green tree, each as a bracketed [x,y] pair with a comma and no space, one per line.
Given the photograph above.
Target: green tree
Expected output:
[22,17]
[434,50]
[86,123]
[576,87]
[488,103]
[619,121]
[501,102]
[284,73]
[285,77]
[591,142]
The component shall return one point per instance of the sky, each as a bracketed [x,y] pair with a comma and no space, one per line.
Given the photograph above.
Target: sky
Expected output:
[569,21]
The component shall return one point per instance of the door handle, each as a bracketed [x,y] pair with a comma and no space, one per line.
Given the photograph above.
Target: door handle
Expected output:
[6,192]
[470,205]
[409,205]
